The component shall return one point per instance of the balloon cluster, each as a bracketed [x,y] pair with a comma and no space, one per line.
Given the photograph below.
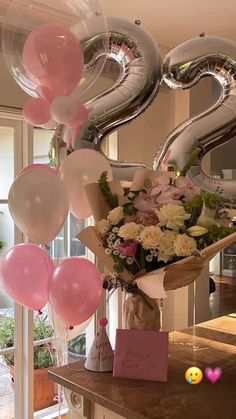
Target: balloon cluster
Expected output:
[53,59]
[43,47]
[73,288]
[39,201]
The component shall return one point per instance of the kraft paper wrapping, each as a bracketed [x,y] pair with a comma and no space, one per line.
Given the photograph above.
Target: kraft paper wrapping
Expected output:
[97,202]
[140,312]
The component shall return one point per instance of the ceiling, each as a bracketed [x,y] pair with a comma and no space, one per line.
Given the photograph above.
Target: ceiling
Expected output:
[169,21]
[172,22]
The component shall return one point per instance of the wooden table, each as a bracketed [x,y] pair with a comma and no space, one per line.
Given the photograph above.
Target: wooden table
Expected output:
[215,346]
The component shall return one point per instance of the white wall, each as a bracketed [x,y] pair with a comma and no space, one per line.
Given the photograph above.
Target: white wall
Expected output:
[139,141]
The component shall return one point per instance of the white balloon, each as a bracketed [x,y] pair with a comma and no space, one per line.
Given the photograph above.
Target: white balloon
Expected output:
[80,168]
[64,109]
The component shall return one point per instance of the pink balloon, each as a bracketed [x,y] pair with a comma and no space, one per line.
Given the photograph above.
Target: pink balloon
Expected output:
[25,273]
[75,290]
[53,58]
[37,112]
[38,166]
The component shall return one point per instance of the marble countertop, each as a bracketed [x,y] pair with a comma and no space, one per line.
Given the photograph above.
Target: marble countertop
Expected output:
[212,345]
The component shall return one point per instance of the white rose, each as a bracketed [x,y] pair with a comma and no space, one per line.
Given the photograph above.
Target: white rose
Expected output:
[166,246]
[129,231]
[172,216]
[184,245]
[115,215]
[103,227]
[150,237]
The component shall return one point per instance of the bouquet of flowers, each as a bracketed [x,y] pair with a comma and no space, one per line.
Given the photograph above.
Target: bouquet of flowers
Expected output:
[157,235]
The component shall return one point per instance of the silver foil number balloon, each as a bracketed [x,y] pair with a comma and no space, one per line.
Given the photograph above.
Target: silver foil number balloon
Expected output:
[184,66]
[140,65]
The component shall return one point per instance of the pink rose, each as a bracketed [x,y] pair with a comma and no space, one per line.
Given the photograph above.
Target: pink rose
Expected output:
[128,248]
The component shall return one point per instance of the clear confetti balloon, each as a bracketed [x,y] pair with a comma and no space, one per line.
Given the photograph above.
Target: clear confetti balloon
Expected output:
[44,45]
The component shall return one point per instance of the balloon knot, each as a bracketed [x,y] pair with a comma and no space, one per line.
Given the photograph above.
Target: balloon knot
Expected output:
[40,312]
[71,327]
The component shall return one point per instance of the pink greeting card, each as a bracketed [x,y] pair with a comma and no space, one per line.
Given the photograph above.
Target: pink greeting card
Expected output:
[141,355]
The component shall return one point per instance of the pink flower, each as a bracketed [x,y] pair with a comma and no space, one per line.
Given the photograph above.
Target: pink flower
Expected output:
[160,185]
[128,248]
[144,202]
[169,196]
[188,189]
[129,218]
[146,218]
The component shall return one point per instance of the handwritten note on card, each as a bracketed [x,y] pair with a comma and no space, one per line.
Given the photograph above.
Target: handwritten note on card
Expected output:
[141,355]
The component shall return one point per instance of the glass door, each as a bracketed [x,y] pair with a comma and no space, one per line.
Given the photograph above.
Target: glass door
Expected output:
[11,315]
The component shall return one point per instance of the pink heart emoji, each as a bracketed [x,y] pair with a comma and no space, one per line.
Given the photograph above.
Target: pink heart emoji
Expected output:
[213,375]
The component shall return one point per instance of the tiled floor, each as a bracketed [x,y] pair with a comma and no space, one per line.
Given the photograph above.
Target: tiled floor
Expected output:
[222,301]
[6,394]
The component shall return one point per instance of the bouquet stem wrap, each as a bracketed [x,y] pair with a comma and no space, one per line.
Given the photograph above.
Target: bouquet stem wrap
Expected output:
[140,312]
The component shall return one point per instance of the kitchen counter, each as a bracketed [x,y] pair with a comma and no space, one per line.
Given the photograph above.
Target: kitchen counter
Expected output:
[213,345]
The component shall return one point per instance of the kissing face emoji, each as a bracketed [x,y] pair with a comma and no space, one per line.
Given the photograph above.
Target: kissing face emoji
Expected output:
[193,375]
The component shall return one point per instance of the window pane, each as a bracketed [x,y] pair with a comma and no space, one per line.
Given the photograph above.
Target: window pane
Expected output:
[42,140]
[57,247]
[6,227]
[76,226]
[6,160]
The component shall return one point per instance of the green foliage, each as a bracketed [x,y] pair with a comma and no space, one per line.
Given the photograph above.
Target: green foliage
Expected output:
[43,355]
[194,207]
[211,200]
[110,198]
[214,234]
[191,161]
[118,265]
[129,209]
[2,245]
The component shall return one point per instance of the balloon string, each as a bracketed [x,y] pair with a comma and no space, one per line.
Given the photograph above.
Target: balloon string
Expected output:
[161,314]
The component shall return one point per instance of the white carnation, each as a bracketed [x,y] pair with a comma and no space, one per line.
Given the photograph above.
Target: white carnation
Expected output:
[172,216]
[115,215]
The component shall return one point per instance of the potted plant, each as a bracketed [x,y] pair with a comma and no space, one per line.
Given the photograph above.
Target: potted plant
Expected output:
[2,244]
[44,389]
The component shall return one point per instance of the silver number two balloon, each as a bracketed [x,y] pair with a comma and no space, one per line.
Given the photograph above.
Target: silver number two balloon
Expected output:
[140,65]
[184,66]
